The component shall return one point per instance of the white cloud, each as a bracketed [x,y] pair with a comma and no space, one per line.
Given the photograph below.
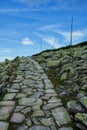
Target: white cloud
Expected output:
[77,36]
[52,41]
[2,59]
[49,27]
[27,41]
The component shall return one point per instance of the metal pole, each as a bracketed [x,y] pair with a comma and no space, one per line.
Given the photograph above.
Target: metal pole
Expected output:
[71,31]
[54,43]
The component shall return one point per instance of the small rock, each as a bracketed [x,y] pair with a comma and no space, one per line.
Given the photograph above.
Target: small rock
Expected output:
[26,110]
[47,121]
[38,113]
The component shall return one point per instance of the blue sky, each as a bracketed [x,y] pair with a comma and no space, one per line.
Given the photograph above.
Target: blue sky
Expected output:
[30,26]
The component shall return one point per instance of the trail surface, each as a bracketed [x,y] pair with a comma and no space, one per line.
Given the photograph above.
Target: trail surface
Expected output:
[32,103]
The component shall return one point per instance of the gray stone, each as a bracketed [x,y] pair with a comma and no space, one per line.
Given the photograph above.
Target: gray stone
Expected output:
[4,117]
[39,128]
[53,128]
[36,107]
[17,80]
[38,113]
[28,81]
[49,91]
[24,86]
[38,94]
[22,127]
[51,106]
[84,101]
[26,110]
[9,96]
[21,95]
[3,125]
[37,103]
[26,101]
[6,109]
[19,108]
[54,100]
[10,90]
[7,103]
[35,121]
[81,126]
[61,116]
[17,118]
[80,95]
[28,122]
[47,121]
[66,128]
[82,117]
[75,106]
[15,86]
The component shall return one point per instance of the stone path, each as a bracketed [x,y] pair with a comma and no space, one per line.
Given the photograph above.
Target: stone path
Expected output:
[32,103]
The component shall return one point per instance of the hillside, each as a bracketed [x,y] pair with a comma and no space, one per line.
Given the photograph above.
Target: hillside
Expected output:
[47,91]
[67,69]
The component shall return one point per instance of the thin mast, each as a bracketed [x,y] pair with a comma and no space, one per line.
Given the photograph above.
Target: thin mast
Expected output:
[54,42]
[71,31]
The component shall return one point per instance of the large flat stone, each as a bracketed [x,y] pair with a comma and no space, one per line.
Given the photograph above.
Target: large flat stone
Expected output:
[66,128]
[38,113]
[19,108]
[26,101]
[52,105]
[4,117]
[17,118]
[3,125]
[12,90]
[15,86]
[61,116]
[39,128]
[47,121]
[21,95]
[9,96]
[6,109]
[7,103]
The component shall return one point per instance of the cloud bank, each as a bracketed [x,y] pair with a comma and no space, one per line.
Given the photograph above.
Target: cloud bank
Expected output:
[27,41]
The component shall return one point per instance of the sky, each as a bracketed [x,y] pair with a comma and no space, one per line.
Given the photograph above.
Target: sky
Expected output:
[28,27]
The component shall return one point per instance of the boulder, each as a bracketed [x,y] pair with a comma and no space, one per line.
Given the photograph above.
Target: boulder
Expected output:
[75,106]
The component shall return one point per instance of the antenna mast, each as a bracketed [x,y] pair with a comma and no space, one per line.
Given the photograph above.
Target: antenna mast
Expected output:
[71,31]
[54,43]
